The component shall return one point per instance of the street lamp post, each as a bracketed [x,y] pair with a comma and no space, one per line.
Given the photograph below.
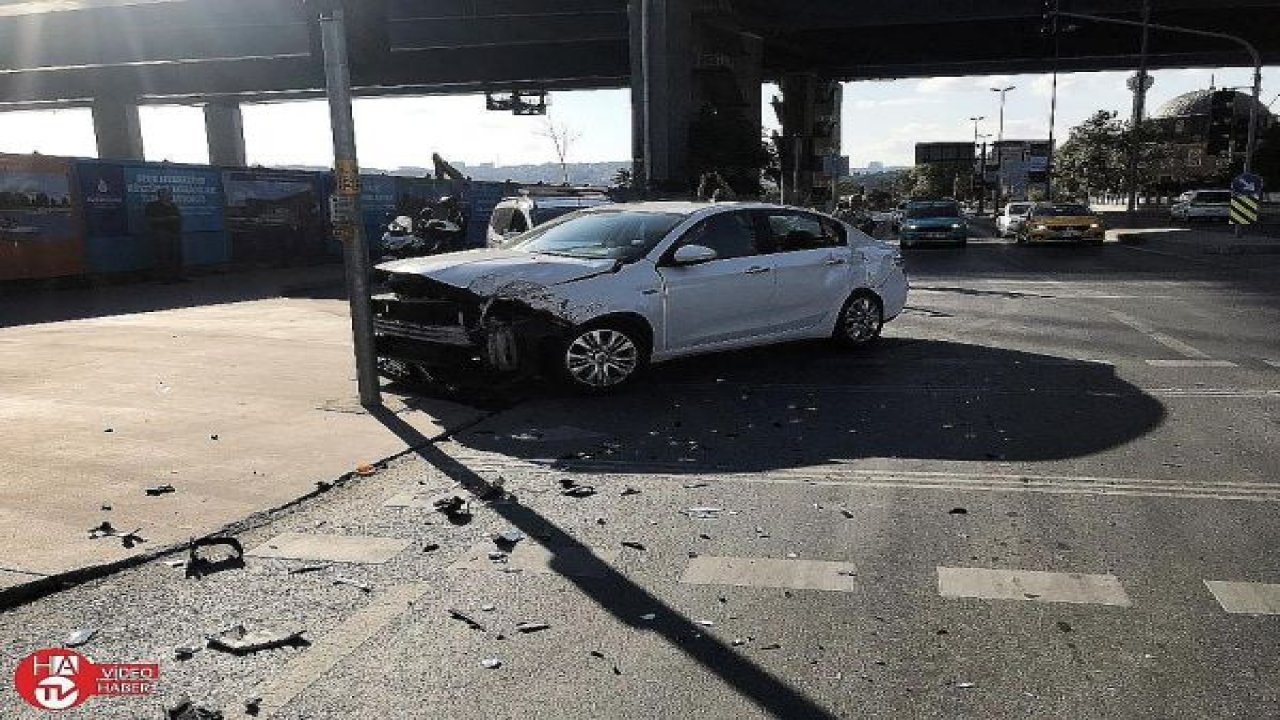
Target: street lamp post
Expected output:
[977,173]
[1000,143]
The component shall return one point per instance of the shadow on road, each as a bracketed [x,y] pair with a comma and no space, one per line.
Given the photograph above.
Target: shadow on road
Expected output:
[808,404]
[615,593]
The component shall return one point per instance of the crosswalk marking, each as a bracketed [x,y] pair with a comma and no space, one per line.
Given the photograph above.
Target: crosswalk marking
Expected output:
[1031,585]
[1246,598]
[771,572]
[1191,363]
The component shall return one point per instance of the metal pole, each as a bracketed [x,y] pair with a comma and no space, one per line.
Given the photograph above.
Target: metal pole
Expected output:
[1053,112]
[346,174]
[999,147]
[982,179]
[1139,103]
[973,186]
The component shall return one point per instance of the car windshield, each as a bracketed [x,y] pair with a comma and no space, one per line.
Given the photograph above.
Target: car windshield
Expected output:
[1066,210]
[933,210]
[546,214]
[1213,196]
[1019,209]
[620,235]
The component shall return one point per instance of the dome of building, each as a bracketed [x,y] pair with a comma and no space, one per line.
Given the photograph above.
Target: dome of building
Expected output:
[1197,103]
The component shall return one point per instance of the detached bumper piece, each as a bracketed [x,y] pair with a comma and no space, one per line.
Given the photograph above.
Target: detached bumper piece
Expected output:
[454,335]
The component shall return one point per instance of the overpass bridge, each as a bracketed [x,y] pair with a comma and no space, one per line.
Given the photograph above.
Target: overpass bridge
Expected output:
[694,66]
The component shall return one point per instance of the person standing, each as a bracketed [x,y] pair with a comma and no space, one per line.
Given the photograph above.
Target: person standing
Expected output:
[164,226]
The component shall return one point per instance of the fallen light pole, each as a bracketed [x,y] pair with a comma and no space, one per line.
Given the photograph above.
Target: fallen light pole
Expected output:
[345,203]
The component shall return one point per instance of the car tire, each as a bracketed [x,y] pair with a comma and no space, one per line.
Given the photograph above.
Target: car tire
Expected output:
[1020,239]
[861,320]
[600,357]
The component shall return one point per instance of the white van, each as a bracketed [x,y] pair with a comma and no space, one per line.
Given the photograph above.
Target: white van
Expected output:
[534,206]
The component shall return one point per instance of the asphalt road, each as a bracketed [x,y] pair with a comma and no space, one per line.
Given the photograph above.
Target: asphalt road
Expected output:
[1023,503]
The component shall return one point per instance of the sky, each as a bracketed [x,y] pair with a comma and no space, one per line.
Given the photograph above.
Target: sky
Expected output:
[882,121]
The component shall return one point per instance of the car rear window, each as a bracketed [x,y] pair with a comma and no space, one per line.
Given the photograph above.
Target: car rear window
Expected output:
[1213,196]
[1062,210]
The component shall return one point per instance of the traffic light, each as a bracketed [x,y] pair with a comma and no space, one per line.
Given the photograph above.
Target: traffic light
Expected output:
[1221,122]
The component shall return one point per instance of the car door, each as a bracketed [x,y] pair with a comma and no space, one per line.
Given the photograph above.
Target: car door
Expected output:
[723,301]
[812,262]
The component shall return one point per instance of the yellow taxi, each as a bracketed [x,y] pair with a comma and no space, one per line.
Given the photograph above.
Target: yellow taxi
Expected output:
[1062,222]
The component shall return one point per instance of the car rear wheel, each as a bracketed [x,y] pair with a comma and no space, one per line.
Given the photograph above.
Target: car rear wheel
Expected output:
[861,320]
[601,357]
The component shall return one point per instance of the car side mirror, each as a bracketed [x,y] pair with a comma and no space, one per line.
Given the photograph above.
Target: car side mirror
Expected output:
[693,255]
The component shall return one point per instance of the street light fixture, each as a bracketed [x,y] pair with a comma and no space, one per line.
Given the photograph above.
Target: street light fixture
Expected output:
[1000,143]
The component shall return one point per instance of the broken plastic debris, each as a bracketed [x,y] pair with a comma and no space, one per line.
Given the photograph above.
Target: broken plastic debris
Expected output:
[629,491]
[846,513]
[771,646]
[366,470]
[510,536]
[79,637]
[792,555]
[452,506]
[497,556]
[488,608]
[160,490]
[532,627]
[704,512]
[353,583]
[579,491]
[491,663]
[128,539]
[253,705]
[633,545]
[186,652]
[431,547]
[307,569]
[187,710]
[238,640]
[471,623]
[697,484]
[648,616]
[706,623]
[738,641]
[206,556]
[958,511]
[965,685]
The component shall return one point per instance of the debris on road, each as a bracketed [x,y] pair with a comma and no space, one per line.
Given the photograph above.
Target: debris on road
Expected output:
[771,646]
[431,547]
[488,608]
[497,556]
[457,510]
[353,583]
[1064,626]
[470,622]
[579,491]
[158,490]
[307,569]
[508,537]
[792,556]
[365,470]
[598,654]
[706,623]
[847,513]
[629,491]
[253,705]
[80,637]
[213,437]
[633,545]
[238,640]
[965,685]
[206,556]
[761,532]
[958,511]
[186,652]
[187,710]
[704,512]
[738,642]
[491,663]
[696,484]
[128,539]
[532,627]
[648,616]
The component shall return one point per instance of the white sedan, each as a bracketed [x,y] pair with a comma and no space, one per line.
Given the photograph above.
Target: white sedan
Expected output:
[1011,219]
[595,296]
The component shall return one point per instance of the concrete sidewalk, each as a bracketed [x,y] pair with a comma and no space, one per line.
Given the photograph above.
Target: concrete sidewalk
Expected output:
[241,406]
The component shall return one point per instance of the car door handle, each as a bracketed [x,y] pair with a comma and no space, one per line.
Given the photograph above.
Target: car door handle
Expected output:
[835,261]
[755,270]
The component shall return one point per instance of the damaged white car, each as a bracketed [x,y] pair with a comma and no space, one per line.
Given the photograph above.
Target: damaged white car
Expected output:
[594,296]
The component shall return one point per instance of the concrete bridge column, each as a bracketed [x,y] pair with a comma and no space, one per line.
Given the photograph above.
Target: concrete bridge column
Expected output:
[224,130]
[661,72]
[809,112]
[116,126]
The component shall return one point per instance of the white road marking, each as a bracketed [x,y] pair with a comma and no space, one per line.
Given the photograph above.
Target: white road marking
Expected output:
[980,390]
[838,473]
[1246,598]
[328,650]
[1172,343]
[772,573]
[1031,585]
[331,548]
[1189,363]
[529,556]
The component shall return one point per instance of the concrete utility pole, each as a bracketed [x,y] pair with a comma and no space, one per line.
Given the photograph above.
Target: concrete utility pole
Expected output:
[1000,144]
[346,202]
[978,174]
[1140,85]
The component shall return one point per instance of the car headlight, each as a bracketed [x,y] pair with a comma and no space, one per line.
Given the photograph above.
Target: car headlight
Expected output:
[956,226]
[1042,227]
[913,227]
[1095,226]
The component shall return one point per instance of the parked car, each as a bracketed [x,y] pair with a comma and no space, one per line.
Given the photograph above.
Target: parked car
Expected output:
[1072,222]
[1202,205]
[594,296]
[534,206]
[1009,221]
[933,221]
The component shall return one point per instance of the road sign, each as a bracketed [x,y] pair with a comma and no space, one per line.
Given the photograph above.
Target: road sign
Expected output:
[1247,184]
[1244,209]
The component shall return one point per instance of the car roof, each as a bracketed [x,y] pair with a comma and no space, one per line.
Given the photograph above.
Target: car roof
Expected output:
[677,207]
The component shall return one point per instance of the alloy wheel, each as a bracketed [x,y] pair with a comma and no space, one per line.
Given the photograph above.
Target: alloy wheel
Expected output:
[601,358]
[861,319]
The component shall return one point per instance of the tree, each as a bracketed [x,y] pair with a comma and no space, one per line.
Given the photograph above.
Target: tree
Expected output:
[934,180]
[1095,157]
[727,141]
[562,138]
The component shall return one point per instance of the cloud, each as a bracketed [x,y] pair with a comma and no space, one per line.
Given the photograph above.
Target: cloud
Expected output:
[1043,85]
[896,102]
[940,85]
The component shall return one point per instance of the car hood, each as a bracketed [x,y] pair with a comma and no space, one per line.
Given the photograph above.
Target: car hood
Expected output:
[484,271]
[933,222]
[1067,220]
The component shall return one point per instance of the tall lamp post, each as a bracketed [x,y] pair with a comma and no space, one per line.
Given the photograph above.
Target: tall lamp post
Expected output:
[1000,143]
[977,173]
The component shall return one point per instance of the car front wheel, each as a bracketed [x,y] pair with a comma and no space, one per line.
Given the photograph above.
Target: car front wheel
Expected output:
[601,357]
[860,321]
